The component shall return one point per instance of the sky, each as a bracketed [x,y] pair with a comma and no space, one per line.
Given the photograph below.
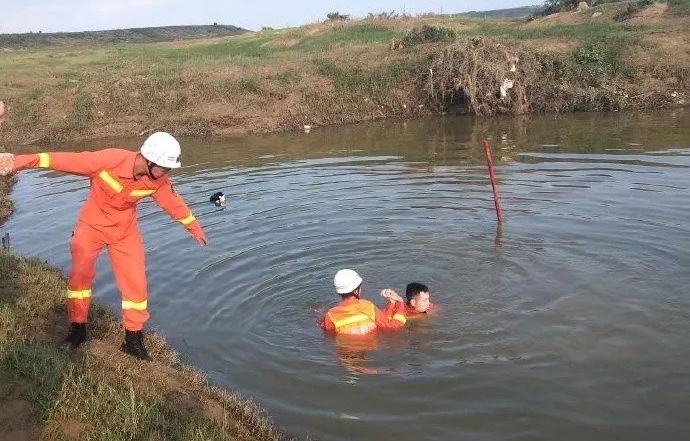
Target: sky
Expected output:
[89,15]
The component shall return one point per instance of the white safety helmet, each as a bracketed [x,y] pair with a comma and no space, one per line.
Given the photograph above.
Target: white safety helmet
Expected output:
[162,149]
[346,281]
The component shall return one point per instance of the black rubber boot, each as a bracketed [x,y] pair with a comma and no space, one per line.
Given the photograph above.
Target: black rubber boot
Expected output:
[134,345]
[77,336]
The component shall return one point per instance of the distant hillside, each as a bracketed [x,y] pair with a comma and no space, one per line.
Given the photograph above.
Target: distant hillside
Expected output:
[525,11]
[135,35]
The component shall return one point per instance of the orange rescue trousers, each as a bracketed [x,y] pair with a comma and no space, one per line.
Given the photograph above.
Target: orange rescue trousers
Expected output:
[127,261]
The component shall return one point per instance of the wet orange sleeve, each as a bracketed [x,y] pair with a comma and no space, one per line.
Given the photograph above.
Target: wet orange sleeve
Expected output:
[393,317]
[83,163]
[327,324]
[174,205]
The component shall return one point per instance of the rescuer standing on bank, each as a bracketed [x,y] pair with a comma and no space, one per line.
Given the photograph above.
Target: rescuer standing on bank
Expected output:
[119,179]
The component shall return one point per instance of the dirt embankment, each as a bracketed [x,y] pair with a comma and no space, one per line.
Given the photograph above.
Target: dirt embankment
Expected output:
[345,72]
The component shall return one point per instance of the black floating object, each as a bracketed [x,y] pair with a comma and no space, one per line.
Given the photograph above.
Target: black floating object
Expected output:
[218,199]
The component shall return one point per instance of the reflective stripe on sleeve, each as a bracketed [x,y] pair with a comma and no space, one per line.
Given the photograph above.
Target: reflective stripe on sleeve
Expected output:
[79,295]
[43,160]
[139,306]
[187,220]
[400,317]
[112,182]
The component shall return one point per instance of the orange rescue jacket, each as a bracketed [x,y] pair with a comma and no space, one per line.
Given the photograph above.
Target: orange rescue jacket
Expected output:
[354,316]
[111,204]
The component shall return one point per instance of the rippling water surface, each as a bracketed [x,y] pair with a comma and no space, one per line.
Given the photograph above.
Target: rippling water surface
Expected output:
[569,323]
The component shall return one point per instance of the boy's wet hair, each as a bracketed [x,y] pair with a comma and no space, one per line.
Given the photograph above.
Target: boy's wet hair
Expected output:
[413,289]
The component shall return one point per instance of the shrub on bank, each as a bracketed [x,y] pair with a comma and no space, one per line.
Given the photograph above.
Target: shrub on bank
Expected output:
[631,9]
[679,7]
[596,62]
[427,34]
[337,16]
[486,76]
[373,83]
[554,6]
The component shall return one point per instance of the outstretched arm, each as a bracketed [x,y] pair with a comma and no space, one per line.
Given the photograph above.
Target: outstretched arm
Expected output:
[6,164]
[174,205]
[82,164]
[2,112]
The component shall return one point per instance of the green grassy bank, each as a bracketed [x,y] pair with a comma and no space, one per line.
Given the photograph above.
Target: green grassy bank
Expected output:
[97,393]
[603,58]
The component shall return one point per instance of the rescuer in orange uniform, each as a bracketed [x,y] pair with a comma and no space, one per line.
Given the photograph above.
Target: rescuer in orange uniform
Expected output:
[355,316]
[119,179]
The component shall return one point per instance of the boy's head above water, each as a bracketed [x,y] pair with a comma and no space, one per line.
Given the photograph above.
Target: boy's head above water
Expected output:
[418,296]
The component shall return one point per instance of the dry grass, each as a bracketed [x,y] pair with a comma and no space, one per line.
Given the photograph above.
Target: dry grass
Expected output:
[5,203]
[5,187]
[469,74]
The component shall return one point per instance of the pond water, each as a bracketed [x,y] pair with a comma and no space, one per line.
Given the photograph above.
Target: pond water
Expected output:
[569,322]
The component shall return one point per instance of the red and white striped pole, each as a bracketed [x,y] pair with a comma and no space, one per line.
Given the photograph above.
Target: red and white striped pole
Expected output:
[492,175]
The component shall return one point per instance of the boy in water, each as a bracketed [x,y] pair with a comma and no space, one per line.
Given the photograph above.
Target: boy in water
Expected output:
[418,300]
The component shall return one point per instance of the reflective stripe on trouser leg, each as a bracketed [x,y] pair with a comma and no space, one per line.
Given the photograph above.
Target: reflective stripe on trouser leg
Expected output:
[84,248]
[134,314]
[129,269]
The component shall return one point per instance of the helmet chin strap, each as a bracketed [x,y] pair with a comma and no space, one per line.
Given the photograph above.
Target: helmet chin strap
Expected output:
[149,167]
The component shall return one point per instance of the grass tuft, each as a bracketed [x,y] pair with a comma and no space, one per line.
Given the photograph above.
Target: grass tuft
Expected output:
[598,61]
[40,367]
[679,7]
[631,9]
[248,85]
[359,34]
[428,34]
[371,82]
[286,78]
[81,114]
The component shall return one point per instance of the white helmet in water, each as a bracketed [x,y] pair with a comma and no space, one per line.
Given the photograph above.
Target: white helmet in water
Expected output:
[162,149]
[346,281]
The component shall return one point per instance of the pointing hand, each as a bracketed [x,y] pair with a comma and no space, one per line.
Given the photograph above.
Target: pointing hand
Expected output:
[201,240]
[6,164]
